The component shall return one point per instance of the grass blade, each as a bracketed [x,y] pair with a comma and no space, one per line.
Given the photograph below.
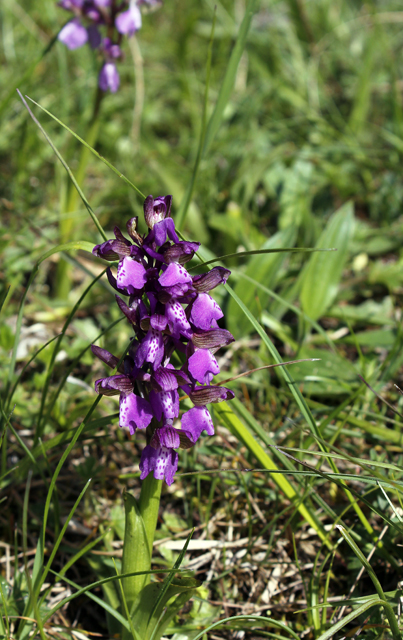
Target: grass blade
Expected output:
[388,609]
[283,370]
[66,166]
[270,621]
[229,78]
[181,214]
[82,141]
[40,422]
[243,434]
[70,246]
[207,136]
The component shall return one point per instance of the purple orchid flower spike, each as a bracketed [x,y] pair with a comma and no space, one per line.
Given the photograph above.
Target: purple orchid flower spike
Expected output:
[169,310]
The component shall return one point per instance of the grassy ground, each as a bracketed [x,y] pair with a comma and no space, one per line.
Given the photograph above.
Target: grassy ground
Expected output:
[307,152]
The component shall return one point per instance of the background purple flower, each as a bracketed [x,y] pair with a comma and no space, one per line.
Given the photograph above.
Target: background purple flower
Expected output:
[92,16]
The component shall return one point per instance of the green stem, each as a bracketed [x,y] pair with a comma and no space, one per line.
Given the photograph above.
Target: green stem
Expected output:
[68,227]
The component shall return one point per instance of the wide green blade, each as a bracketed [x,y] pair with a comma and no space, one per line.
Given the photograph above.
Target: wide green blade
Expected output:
[321,277]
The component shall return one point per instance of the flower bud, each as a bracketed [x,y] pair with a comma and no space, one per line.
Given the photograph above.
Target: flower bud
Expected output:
[111,250]
[213,339]
[131,226]
[114,385]
[204,395]
[181,252]
[207,281]
[105,356]
[130,312]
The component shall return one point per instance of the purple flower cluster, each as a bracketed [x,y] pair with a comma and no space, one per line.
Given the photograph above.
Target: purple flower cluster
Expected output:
[116,18]
[171,313]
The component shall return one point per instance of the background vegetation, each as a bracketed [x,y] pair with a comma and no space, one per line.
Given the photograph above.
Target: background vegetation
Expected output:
[308,153]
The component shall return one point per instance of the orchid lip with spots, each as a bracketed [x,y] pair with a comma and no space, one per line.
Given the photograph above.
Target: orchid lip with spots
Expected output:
[170,311]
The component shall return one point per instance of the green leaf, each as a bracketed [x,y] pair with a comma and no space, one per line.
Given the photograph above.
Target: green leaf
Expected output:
[331,375]
[148,609]
[136,555]
[369,312]
[172,609]
[148,612]
[378,338]
[110,590]
[321,277]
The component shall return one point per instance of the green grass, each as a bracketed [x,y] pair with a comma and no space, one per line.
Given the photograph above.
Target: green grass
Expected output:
[282,129]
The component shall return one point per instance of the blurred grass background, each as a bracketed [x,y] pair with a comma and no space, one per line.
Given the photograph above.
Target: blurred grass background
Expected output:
[309,154]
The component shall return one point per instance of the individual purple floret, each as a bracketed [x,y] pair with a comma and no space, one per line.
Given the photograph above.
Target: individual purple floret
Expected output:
[90,19]
[73,34]
[170,311]
[129,21]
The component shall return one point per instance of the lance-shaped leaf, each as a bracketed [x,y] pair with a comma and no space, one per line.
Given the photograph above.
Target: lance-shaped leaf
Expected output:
[322,275]
[136,554]
[148,610]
